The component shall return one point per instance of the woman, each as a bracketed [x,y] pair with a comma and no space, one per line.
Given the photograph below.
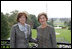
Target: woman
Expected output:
[45,33]
[21,32]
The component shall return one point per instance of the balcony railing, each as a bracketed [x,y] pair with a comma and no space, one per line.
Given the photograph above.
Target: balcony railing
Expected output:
[6,44]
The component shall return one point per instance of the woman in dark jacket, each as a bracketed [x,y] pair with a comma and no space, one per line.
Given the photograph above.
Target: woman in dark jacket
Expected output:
[45,33]
[21,33]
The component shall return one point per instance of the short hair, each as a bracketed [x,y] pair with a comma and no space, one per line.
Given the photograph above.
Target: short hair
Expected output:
[21,14]
[40,14]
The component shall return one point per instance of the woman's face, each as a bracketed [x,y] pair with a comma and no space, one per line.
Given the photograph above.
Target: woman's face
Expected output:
[42,19]
[22,19]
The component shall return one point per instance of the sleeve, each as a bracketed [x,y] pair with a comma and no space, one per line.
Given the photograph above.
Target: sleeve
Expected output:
[53,39]
[12,37]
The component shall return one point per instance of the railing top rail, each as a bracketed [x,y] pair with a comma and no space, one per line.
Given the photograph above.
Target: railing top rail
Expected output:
[62,43]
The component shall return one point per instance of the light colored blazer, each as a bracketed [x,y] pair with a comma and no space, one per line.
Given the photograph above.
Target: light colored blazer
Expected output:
[17,37]
[46,37]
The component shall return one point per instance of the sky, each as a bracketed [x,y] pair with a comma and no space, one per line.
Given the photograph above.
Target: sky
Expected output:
[54,9]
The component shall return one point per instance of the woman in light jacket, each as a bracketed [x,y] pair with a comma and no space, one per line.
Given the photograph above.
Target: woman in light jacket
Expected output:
[21,32]
[45,33]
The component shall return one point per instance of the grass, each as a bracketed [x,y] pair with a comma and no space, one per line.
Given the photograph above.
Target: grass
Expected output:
[59,24]
[34,33]
[65,35]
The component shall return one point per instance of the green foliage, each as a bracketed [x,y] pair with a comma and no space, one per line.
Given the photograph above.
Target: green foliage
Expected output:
[29,21]
[8,20]
[34,20]
[50,23]
[68,24]
[4,27]
[12,18]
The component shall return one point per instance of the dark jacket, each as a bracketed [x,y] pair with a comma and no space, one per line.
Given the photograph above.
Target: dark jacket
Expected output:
[17,38]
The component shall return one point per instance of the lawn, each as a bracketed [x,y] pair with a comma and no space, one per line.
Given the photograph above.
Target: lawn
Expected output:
[34,33]
[64,36]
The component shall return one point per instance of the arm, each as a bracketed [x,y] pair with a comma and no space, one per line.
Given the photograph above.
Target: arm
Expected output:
[12,37]
[53,37]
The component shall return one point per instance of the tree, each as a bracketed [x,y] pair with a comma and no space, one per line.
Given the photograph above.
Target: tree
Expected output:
[12,18]
[4,27]
[34,20]
[51,22]
[29,21]
[68,24]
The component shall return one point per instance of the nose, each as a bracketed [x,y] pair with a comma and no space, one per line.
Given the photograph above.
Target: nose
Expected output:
[41,19]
